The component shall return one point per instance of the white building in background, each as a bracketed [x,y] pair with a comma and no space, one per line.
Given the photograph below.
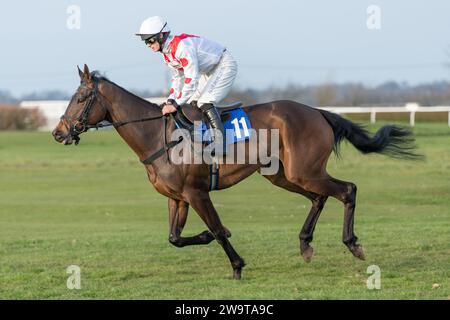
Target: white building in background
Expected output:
[54,109]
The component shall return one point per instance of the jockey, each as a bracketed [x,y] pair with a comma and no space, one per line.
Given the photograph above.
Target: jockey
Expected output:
[203,71]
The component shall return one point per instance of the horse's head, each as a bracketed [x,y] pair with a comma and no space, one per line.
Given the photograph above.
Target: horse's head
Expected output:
[84,111]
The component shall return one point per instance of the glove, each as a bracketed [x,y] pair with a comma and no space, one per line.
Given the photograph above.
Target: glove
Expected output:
[173,102]
[170,107]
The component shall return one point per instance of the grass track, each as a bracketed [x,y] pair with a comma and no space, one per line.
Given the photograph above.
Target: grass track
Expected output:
[93,206]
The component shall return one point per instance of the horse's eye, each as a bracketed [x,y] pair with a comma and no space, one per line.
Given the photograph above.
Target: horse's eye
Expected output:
[81,98]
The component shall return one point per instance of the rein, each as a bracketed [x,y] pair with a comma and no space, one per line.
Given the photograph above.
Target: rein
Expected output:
[80,125]
[121,123]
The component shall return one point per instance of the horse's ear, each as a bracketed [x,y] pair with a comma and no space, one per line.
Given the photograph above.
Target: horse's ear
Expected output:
[87,74]
[80,73]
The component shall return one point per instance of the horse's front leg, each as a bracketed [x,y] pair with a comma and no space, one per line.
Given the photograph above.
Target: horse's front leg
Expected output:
[178,211]
[201,203]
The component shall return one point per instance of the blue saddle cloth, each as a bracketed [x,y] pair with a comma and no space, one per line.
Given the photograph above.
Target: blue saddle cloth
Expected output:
[236,124]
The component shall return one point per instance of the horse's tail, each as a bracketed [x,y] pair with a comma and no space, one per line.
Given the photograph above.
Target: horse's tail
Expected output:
[391,140]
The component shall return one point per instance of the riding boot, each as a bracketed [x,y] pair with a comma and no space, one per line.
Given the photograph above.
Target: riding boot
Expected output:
[211,113]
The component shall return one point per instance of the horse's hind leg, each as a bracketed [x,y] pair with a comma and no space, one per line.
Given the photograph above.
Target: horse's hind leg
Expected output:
[348,235]
[178,212]
[318,202]
[346,193]
[306,234]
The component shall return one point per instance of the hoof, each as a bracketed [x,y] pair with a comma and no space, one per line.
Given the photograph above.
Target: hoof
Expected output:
[227,232]
[237,274]
[237,268]
[307,254]
[357,251]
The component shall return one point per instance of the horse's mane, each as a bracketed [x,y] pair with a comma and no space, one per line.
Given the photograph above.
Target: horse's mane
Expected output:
[98,76]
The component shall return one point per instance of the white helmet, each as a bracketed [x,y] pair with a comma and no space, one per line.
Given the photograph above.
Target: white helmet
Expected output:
[152,26]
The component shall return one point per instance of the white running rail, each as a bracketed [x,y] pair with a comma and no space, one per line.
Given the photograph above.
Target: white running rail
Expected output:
[411,108]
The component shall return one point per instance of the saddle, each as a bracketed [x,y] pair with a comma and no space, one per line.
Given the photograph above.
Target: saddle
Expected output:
[188,114]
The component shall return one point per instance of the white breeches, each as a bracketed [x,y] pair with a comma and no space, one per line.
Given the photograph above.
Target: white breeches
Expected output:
[216,85]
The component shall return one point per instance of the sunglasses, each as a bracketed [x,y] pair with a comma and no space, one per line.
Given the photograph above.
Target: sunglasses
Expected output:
[151,40]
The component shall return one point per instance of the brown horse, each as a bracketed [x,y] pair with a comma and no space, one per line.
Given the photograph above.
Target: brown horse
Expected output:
[307,137]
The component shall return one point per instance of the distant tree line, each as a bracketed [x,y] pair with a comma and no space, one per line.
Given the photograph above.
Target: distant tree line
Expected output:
[328,94]
[351,94]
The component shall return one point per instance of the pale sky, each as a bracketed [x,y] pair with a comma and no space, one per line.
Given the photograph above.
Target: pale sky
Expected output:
[274,42]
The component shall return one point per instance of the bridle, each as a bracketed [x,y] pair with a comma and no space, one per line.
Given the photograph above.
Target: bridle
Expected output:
[79,125]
